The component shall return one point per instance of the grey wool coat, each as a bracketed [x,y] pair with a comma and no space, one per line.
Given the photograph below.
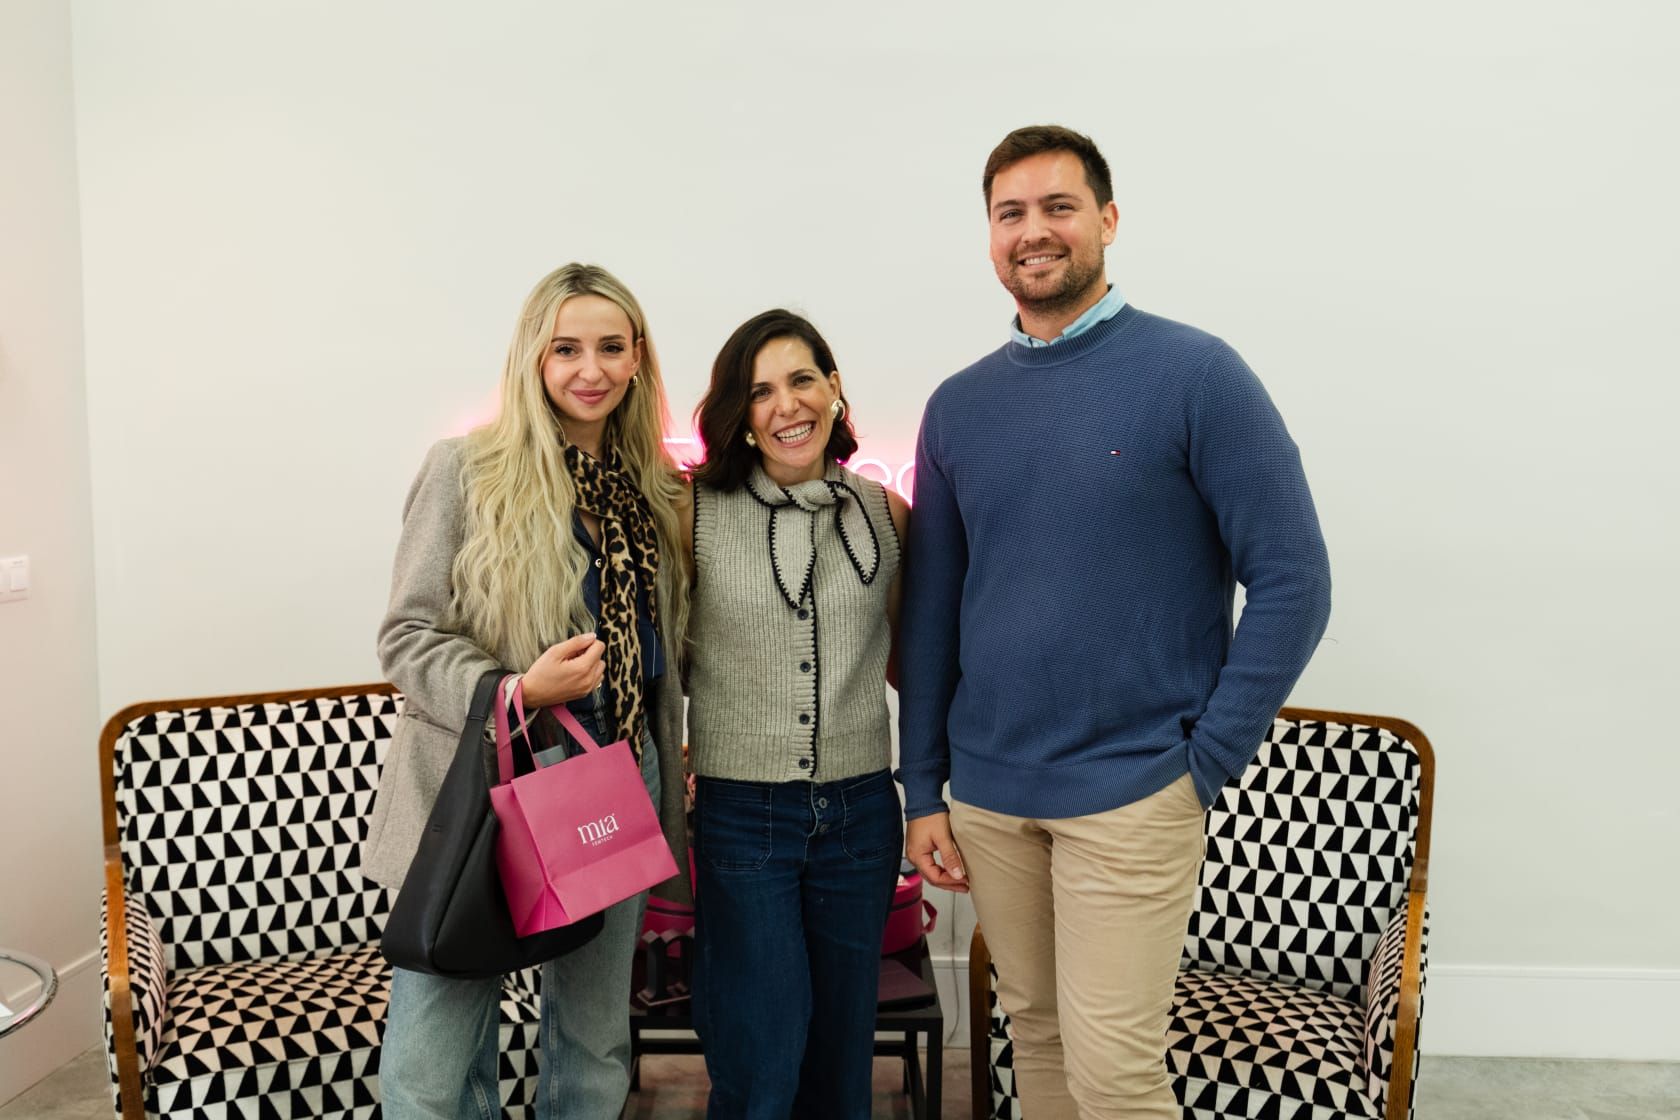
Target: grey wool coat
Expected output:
[438,670]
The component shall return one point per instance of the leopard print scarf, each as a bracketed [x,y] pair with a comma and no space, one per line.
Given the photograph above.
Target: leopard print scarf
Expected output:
[630,548]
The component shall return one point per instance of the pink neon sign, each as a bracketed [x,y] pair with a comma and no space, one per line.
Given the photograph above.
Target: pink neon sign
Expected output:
[901,478]
[879,467]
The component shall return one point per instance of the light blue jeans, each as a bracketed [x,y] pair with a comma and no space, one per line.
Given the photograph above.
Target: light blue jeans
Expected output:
[439,1060]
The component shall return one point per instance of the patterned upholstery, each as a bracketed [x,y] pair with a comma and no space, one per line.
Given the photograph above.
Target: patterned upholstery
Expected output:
[1382,1003]
[148,978]
[1288,995]
[1308,856]
[243,826]
[257,985]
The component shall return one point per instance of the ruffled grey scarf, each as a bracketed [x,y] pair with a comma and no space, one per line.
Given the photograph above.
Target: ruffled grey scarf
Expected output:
[793,528]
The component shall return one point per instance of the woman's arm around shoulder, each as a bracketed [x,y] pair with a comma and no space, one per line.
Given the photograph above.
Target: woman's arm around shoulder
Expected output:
[900,511]
[685,518]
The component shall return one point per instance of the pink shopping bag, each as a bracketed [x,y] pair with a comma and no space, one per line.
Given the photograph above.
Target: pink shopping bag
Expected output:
[575,836]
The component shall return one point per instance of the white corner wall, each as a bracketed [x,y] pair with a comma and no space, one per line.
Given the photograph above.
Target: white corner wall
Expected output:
[1444,238]
[49,687]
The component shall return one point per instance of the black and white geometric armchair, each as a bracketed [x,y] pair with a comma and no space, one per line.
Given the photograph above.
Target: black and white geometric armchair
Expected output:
[240,943]
[1300,988]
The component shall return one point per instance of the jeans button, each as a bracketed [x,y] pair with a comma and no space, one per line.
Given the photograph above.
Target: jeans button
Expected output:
[822,802]
[822,828]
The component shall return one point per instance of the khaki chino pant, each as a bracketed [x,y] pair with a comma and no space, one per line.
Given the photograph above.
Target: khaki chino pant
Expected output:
[1085,918]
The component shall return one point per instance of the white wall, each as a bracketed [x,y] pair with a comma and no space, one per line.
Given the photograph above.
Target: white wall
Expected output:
[1443,236]
[49,698]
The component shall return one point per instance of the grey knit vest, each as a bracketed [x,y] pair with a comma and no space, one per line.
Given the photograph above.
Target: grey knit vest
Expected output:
[789,630]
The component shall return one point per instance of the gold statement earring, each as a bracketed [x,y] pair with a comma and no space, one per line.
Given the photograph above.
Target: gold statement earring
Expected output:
[837,409]
[751,442]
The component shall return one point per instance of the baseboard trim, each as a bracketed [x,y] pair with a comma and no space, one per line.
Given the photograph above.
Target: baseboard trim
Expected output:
[72,1025]
[1492,1011]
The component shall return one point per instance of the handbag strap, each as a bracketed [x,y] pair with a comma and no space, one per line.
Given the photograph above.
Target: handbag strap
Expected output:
[483,701]
[504,735]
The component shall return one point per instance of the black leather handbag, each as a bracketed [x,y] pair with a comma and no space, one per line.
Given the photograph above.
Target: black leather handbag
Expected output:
[450,918]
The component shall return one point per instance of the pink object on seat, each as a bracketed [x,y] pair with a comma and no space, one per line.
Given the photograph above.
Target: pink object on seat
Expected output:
[909,917]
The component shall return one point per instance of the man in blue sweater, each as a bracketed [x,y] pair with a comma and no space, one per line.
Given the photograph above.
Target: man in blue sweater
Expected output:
[1087,498]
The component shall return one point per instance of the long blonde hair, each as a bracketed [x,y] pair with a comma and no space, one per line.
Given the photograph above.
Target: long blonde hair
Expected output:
[518,578]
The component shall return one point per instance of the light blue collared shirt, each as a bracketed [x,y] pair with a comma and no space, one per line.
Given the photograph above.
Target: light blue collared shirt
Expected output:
[1100,312]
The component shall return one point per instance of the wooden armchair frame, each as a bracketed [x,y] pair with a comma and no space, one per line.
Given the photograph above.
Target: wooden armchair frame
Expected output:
[1417,893]
[116,908]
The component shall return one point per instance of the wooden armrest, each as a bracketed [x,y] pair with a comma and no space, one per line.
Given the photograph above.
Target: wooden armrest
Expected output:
[122,997]
[1405,1030]
[979,1026]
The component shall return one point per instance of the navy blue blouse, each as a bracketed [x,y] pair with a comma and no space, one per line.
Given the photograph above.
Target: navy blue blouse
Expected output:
[653,654]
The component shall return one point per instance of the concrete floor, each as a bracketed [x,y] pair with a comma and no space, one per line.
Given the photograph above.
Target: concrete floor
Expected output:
[674,1088]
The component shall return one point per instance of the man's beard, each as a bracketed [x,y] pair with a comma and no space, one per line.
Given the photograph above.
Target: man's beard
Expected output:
[1077,280]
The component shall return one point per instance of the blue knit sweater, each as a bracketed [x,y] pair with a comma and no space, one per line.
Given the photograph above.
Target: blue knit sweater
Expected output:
[1082,515]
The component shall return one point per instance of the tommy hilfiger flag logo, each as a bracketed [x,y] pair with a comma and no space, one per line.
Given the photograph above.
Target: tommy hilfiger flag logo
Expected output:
[599,831]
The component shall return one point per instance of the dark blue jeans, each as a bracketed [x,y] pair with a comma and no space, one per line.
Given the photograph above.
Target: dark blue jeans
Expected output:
[793,884]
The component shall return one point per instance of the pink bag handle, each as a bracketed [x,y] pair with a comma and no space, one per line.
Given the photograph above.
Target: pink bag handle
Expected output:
[504,737]
[932,916]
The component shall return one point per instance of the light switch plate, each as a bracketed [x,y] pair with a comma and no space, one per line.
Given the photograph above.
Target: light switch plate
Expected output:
[14,578]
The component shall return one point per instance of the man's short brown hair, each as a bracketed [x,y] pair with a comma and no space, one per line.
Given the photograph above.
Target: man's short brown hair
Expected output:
[1036,139]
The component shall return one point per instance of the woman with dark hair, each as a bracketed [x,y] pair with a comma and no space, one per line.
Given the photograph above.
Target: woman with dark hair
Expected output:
[797,822]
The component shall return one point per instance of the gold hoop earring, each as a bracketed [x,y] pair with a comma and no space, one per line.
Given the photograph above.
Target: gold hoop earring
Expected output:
[751,442]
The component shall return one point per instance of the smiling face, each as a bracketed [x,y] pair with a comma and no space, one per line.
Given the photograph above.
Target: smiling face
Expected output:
[1047,237]
[591,357]
[790,410]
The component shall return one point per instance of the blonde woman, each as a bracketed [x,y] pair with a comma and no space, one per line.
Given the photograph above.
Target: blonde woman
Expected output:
[546,542]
